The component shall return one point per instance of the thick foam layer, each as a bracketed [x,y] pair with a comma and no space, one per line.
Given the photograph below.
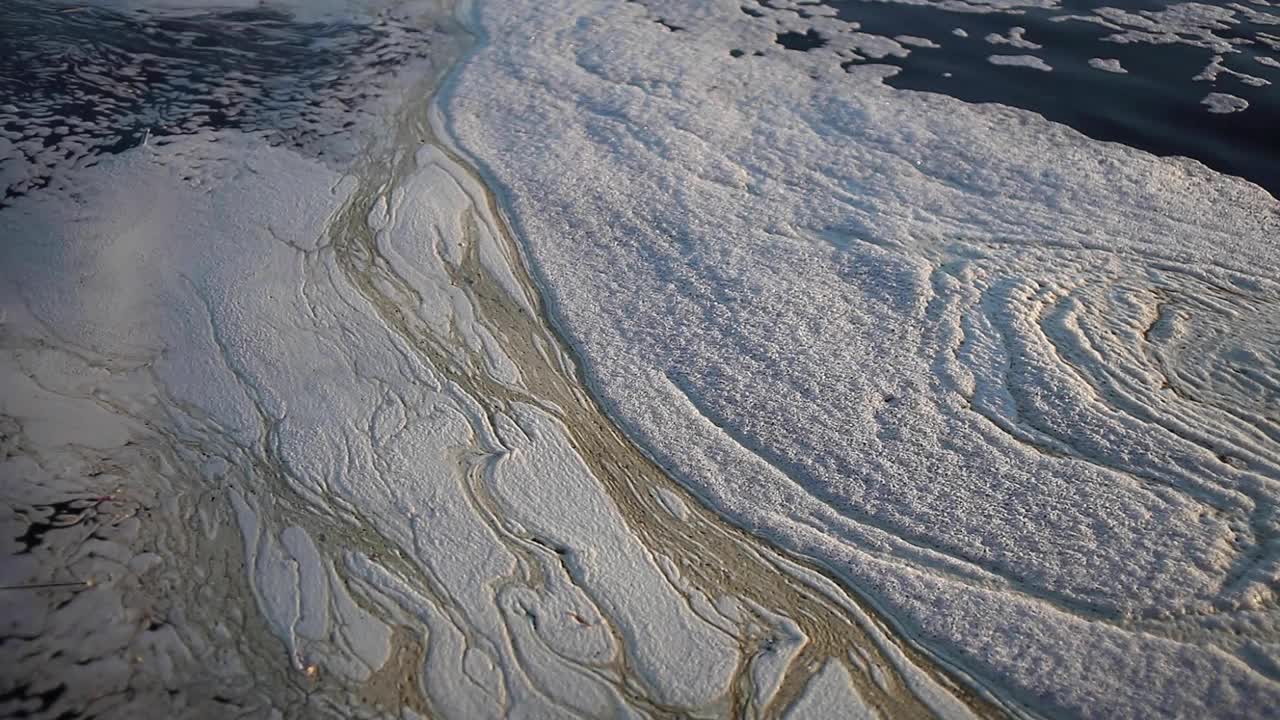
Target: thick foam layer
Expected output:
[280,439]
[1013,383]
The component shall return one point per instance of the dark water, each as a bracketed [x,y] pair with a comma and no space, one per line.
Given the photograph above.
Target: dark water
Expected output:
[77,82]
[1156,106]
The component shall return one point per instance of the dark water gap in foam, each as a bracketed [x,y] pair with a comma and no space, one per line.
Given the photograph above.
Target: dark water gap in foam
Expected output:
[1155,106]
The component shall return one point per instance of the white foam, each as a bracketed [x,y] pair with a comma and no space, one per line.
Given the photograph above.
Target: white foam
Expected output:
[1016,37]
[1224,103]
[1211,27]
[831,694]
[1026,61]
[922,340]
[914,41]
[1217,67]
[219,284]
[1107,64]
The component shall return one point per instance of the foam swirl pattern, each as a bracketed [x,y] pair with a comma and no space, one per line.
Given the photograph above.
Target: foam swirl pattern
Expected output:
[1160,375]
[281,439]
[1017,385]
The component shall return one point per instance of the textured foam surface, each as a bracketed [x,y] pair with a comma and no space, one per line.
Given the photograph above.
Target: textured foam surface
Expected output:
[1018,385]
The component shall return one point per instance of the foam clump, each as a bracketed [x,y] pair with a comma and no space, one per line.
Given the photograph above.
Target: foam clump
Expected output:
[1026,61]
[1110,65]
[1224,103]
